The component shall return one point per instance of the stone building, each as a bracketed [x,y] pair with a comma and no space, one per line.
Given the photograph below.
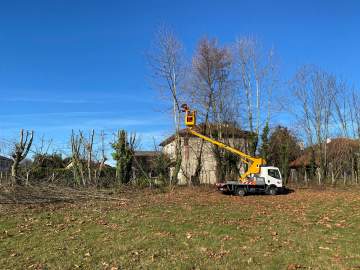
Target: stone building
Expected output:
[190,149]
[144,163]
[341,156]
[5,164]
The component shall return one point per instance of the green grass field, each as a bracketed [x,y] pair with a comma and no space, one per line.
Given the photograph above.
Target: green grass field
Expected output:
[185,229]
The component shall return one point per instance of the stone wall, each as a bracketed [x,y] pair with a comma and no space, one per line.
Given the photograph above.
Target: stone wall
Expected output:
[190,148]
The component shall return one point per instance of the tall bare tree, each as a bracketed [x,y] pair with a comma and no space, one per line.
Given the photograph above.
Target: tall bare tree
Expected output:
[256,74]
[77,158]
[211,92]
[314,91]
[168,70]
[88,147]
[342,101]
[346,110]
[211,87]
[354,112]
[103,157]
[20,151]
[354,126]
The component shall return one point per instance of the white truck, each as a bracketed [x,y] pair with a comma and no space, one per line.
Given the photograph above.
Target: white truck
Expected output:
[268,181]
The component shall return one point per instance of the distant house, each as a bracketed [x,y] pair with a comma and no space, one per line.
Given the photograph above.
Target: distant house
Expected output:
[190,147]
[337,150]
[342,158]
[5,164]
[144,163]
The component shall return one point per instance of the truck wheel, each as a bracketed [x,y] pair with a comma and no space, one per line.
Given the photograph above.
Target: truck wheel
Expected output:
[272,191]
[241,192]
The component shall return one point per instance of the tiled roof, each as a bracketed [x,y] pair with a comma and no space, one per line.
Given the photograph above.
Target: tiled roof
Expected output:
[146,153]
[334,148]
[228,131]
[5,158]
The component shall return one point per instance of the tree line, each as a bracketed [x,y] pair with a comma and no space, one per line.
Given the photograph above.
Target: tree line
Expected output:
[86,163]
[240,83]
[236,85]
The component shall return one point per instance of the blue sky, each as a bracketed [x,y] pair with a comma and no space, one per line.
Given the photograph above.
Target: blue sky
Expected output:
[81,64]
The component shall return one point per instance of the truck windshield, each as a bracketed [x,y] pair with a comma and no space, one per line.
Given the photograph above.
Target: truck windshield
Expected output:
[274,173]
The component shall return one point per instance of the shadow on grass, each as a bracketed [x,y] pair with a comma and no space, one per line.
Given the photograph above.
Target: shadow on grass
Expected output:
[284,191]
[47,194]
[32,195]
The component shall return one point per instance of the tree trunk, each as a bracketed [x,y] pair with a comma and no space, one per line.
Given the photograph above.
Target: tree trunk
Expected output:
[352,170]
[14,172]
[178,159]
[355,177]
[27,179]
[319,176]
[89,168]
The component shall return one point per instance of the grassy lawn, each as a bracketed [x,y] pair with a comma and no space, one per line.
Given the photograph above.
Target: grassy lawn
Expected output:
[185,229]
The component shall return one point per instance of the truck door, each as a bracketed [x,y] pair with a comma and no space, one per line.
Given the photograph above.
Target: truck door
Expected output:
[274,177]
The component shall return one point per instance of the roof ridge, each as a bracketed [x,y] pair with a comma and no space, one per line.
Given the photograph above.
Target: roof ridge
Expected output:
[239,133]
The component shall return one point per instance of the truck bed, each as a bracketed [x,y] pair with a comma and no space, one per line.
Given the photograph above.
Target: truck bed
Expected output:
[257,188]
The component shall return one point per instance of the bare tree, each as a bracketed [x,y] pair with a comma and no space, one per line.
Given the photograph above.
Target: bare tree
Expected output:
[315,90]
[343,102]
[211,91]
[168,70]
[256,74]
[88,147]
[21,149]
[354,112]
[103,157]
[77,158]
[212,88]
[40,153]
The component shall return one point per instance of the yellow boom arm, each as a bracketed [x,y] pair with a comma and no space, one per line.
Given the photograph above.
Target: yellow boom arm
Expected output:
[252,162]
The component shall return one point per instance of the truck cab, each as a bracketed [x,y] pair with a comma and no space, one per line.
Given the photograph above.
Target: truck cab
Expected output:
[271,175]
